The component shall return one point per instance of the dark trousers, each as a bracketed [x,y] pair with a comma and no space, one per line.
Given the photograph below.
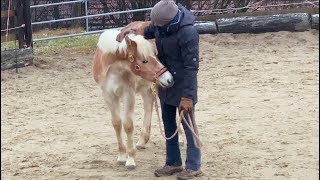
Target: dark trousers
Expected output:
[173,156]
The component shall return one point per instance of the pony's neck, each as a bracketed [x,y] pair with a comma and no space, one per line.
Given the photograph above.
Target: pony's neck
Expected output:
[122,51]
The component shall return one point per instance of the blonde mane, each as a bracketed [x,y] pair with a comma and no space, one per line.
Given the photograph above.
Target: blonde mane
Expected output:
[144,47]
[108,44]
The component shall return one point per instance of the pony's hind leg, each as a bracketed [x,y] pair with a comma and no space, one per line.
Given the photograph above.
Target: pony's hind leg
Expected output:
[148,101]
[129,101]
[114,107]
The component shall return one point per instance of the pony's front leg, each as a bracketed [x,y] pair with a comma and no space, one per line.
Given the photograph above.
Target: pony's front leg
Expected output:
[129,101]
[114,107]
[148,100]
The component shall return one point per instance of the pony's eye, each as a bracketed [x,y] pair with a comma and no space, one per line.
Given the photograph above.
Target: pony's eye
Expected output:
[144,61]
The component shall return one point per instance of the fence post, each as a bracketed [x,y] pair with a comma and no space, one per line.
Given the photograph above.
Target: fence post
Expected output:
[27,22]
[24,35]
[86,13]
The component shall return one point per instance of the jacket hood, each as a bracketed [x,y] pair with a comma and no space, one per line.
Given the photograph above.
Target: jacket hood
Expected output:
[187,16]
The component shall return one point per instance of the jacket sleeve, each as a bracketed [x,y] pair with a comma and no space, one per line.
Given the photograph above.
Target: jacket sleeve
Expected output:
[149,32]
[189,45]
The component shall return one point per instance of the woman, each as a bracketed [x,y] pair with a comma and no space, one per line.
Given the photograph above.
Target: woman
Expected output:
[177,43]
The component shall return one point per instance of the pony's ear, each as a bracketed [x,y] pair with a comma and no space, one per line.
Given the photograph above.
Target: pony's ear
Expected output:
[128,40]
[132,45]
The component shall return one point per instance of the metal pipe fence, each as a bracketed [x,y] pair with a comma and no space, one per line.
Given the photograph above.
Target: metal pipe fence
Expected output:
[86,17]
[94,15]
[55,4]
[72,35]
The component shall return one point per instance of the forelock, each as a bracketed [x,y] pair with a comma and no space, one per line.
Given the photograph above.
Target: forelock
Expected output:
[144,47]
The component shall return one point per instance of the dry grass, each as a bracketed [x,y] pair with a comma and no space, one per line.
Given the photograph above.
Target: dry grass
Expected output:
[56,32]
[79,44]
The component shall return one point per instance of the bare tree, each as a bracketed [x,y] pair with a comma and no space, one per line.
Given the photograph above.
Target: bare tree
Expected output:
[186,3]
[241,3]
[139,4]
[110,6]
[56,15]
[78,10]
[221,4]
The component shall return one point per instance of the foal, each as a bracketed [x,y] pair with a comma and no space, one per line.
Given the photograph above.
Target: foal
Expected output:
[122,70]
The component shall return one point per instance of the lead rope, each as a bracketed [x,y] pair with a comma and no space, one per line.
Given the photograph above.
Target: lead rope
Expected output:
[153,89]
[193,128]
[188,122]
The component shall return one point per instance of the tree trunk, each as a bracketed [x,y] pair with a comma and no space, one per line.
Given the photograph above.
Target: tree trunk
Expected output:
[56,15]
[138,4]
[77,11]
[239,4]
[27,22]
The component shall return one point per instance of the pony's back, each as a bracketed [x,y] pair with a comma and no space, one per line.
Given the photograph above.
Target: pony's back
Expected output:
[107,42]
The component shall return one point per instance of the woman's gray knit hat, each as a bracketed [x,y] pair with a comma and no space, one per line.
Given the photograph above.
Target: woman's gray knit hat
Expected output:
[163,12]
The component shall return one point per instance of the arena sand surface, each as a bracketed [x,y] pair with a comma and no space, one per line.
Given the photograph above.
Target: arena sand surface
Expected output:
[258,114]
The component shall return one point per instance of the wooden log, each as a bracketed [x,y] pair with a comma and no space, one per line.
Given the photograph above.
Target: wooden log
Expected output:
[206,27]
[315,21]
[261,24]
[16,58]
[214,17]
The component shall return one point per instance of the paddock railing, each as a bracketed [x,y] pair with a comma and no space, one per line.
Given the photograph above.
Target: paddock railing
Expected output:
[86,17]
[217,13]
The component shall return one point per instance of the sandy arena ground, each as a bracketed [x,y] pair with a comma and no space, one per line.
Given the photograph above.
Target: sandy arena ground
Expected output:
[257,114]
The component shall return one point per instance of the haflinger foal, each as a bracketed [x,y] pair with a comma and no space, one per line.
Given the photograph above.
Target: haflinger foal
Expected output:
[123,69]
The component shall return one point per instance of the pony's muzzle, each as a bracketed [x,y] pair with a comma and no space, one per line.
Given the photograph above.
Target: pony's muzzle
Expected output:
[166,80]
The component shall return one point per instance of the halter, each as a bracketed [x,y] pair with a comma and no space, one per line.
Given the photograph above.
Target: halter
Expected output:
[138,68]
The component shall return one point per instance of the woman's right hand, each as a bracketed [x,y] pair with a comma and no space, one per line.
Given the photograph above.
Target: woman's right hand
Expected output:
[124,32]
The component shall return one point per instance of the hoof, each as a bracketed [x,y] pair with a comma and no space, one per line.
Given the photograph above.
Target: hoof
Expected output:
[140,147]
[121,162]
[122,159]
[130,164]
[130,167]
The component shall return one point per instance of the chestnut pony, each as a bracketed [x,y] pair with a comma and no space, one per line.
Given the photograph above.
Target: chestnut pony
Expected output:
[123,69]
